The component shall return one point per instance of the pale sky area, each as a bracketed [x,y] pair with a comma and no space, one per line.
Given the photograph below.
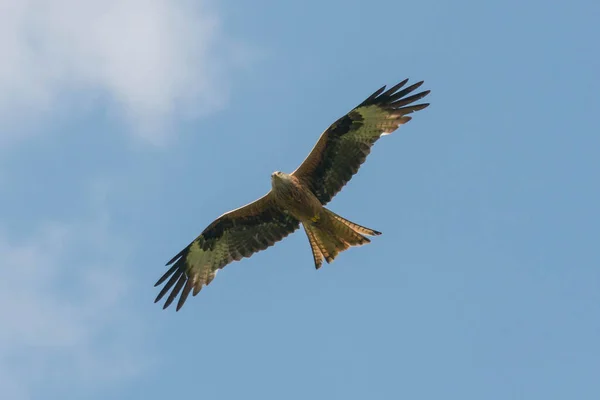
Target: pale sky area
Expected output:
[127,126]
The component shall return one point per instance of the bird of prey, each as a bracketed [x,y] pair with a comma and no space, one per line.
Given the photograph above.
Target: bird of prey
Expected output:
[297,198]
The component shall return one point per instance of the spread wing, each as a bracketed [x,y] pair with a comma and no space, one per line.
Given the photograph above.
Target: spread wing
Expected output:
[344,146]
[234,235]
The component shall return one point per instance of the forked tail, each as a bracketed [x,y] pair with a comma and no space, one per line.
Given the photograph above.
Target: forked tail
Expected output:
[331,234]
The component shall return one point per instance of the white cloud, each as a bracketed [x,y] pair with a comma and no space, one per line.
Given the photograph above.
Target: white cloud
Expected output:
[65,310]
[150,60]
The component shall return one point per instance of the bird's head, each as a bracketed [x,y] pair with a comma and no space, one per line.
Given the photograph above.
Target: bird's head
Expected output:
[278,177]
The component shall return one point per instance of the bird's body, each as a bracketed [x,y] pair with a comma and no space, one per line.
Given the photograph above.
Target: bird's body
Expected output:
[328,233]
[296,198]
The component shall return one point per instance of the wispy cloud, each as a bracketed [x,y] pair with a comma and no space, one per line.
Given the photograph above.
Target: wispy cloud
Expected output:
[67,318]
[150,60]
[67,307]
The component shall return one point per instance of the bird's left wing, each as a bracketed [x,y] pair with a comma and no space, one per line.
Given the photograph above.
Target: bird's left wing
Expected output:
[344,146]
[234,235]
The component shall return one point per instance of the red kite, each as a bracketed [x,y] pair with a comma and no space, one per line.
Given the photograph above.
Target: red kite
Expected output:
[297,198]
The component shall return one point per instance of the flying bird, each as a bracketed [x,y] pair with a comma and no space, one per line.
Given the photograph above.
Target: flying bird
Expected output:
[297,198]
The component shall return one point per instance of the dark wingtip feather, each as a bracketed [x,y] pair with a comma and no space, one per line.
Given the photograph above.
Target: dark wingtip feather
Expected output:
[374,95]
[422,106]
[172,260]
[376,233]
[393,97]
[168,286]
[394,88]
[166,275]
[411,109]
[175,290]
[410,99]
[404,92]
[184,295]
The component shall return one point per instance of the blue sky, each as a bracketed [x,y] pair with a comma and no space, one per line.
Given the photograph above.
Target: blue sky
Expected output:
[128,126]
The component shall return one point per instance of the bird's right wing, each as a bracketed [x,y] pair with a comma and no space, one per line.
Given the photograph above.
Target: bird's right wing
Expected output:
[344,146]
[234,235]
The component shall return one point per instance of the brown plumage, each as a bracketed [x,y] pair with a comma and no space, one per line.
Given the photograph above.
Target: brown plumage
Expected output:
[296,198]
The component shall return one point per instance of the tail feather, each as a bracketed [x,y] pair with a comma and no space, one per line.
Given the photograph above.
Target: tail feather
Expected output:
[315,247]
[332,234]
[358,228]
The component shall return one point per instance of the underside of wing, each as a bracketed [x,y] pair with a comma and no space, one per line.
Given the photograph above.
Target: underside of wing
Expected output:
[344,146]
[231,237]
